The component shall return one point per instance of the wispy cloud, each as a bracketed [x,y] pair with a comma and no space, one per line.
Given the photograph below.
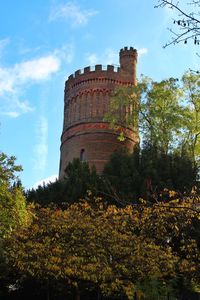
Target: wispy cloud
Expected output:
[11,114]
[72,13]
[41,147]
[36,69]
[142,51]
[14,79]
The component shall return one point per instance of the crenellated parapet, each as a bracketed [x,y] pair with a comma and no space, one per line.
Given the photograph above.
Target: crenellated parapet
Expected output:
[86,101]
[128,51]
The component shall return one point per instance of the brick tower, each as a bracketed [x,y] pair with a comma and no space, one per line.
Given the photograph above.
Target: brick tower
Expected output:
[86,100]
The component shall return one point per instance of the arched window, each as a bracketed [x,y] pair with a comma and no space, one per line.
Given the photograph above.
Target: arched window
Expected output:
[82,155]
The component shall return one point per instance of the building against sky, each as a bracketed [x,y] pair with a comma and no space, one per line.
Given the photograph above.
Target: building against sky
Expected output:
[42,42]
[87,94]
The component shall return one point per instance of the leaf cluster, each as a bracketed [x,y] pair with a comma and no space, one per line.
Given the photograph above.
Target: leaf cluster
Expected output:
[113,250]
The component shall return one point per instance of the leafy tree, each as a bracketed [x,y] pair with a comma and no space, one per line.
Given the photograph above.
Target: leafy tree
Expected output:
[13,212]
[146,174]
[187,22]
[155,107]
[166,112]
[191,133]
[12,202]
[78,180]
[161,114]
[117,251]
[122,178]
[53,192]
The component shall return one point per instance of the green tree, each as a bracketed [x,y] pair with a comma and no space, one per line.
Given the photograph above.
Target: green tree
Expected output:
[12,202]
[13,212]
[79,178]
[146,173]
[154,106]
[166,112]
[53,192]
[191,133]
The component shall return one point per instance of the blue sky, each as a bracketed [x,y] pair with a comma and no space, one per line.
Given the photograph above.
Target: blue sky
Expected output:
[42,42]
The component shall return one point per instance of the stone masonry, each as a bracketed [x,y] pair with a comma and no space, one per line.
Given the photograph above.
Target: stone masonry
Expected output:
[86,100]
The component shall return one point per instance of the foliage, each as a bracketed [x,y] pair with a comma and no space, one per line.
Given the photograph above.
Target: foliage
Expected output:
[52,192]
[167,113]
[13,212]
[187,21]
[78,180]
[146,174]
[114,250]
[191,132]
[8,168]
[12,202]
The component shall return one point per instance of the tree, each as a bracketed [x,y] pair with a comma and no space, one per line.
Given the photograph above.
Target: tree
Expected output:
[128,177]
[191,133]
[79,178]
[114,250]
[12,202]
[166,112]
[13,211]
[155,108]
[53,192]
[161,114]
[187,22]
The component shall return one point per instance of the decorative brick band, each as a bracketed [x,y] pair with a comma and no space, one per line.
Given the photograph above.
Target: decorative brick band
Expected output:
[87,128]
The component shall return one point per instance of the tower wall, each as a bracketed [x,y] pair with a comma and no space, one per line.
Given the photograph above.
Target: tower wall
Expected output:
[86,100]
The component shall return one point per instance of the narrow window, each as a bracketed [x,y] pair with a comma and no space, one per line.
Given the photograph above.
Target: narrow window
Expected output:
[82,155]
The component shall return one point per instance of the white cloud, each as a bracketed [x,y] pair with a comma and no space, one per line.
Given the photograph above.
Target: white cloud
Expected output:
[11,114]
[71,12]
[14,79]
[36,69]
[12,107]
[142,51]
[41,147]
[47,180]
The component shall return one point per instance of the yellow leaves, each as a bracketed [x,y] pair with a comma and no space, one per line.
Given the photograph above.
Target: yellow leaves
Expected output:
[172,194]
[106,244]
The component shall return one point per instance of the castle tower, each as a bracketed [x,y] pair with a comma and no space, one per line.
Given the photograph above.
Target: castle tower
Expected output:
[86,100]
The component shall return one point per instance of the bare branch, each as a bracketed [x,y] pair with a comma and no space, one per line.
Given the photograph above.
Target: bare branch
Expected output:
[188,24]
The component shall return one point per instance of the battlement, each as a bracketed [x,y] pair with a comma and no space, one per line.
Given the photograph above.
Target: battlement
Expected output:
[91,69]
[128,50]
